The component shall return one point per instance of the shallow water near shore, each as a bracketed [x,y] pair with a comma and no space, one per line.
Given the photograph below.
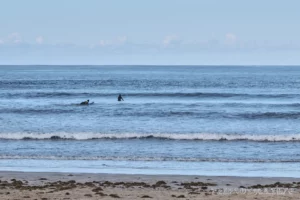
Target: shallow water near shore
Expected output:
[202,120]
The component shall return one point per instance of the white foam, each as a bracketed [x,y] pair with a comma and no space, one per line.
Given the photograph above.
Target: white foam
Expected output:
[146,159]
[170,136]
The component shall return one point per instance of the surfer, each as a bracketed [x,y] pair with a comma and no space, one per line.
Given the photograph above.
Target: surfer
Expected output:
[120,98]
[85,102]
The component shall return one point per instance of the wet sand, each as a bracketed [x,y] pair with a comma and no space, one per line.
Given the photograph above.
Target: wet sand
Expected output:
[46,186]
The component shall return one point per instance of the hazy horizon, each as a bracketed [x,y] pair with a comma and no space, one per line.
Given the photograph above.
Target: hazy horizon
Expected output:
[152,65]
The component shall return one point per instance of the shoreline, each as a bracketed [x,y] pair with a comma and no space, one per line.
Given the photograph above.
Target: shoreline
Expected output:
[153,167]
[56,185]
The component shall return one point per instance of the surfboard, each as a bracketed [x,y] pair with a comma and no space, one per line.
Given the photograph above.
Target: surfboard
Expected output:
[86,104]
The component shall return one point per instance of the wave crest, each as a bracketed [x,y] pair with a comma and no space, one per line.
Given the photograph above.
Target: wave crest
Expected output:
[140,158]
[162,136]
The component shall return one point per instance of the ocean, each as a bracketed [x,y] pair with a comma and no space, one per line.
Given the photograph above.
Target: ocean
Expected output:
[197,120]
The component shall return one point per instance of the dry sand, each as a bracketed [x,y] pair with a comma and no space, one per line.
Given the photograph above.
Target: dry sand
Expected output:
[46,186]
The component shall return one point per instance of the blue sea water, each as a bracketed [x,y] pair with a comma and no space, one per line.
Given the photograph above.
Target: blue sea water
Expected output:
[204,120]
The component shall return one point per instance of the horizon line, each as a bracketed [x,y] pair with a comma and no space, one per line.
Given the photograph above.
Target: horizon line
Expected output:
[199,65]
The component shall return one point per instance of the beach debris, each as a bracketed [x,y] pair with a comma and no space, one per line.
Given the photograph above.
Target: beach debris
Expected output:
[276,185]
[194,192]
[97,189]
[146,196]
[101,194]
[194,188]
[160,184]
[89,184]
[125,184]
[192,185]
[114,195]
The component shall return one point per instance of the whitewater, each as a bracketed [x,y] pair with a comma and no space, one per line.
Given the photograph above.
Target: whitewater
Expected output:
[162,136]
[205,120]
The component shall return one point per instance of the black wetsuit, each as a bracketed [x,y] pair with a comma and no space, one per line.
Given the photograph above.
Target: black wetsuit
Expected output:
[120,98]
[85,102]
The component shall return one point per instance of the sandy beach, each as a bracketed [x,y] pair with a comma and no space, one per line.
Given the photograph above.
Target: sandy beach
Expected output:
[46,186]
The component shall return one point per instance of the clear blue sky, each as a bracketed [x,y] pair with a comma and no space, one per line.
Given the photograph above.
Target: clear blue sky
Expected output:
[150,32]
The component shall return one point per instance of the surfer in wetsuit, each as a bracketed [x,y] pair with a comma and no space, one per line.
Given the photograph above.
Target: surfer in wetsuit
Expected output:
[85,102]
[120,98]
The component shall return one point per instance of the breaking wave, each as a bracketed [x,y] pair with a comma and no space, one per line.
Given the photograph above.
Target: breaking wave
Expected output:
[153,159]
[161,136]
[273,115]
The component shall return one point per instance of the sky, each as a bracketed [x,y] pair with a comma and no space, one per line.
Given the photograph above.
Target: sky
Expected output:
[154,32]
